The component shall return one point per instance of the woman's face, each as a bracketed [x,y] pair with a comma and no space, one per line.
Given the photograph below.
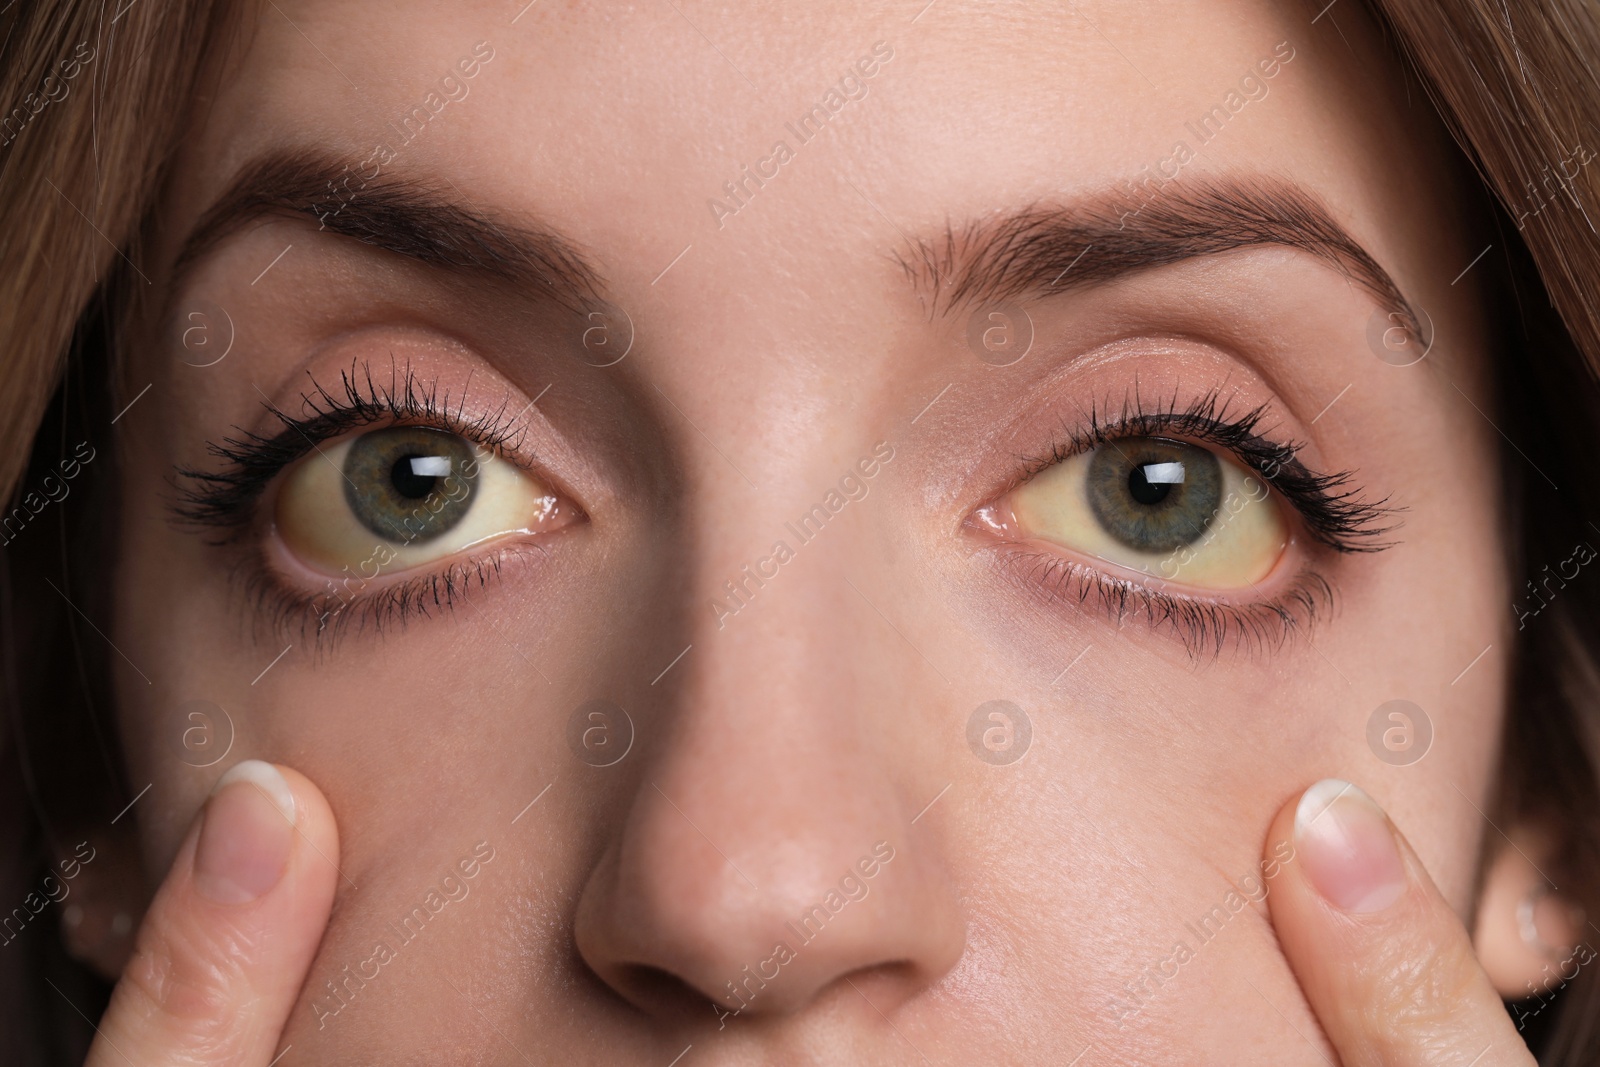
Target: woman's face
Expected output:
[872,534]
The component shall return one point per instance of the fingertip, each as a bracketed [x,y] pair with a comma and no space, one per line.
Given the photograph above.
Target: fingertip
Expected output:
[246,836]
[268,777]
[262,823]
[234,927]
[1381,957]
[313,816]
[1349,849]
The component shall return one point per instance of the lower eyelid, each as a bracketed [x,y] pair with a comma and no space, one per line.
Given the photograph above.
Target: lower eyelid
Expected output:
[1206,626]
[291,604]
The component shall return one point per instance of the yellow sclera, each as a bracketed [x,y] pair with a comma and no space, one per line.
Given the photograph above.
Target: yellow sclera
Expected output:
[1237,542]
[315,519]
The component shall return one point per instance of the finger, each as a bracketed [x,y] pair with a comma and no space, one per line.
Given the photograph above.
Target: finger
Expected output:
[1385,963]
[226,944]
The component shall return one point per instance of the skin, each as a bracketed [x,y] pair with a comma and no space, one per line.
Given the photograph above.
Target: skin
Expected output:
[829,715]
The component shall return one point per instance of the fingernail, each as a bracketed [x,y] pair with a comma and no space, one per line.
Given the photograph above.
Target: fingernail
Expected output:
[1349,852]
[246,836]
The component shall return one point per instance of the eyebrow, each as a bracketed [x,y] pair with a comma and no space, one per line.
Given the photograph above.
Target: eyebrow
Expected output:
[1044,250]
[1036,251]
[406,216]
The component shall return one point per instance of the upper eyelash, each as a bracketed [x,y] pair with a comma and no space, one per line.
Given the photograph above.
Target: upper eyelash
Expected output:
[1330,504]
[225,499]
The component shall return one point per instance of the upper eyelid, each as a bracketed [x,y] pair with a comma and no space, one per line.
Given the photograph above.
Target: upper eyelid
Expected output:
[339,424]
[1332,506]
[401,400]
[1093,432]
[225,498]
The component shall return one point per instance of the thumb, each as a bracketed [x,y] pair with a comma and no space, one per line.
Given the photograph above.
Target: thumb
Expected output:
[1385,964]
[226,944]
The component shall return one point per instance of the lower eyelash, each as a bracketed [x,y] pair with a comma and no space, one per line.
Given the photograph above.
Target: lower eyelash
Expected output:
[324,618]
[1207,628]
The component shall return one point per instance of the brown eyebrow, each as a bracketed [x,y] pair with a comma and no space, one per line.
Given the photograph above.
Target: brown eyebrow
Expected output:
[406,216]
[1043,250]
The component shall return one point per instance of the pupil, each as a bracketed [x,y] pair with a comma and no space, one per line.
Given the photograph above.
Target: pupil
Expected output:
[407,482]
[1144,490]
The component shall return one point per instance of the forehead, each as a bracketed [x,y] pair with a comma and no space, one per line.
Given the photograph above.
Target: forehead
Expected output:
[770,139]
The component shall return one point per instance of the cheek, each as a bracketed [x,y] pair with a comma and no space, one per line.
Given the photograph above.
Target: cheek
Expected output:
[465,712]
[177,628]
[1434,627]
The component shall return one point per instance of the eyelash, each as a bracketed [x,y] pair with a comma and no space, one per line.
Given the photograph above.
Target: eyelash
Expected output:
[1329,505]
[227,501]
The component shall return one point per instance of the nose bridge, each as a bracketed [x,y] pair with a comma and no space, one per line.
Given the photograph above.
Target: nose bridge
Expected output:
[790,701]
[780,726]
[775,606]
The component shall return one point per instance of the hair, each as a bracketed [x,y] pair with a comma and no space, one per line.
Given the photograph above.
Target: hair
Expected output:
[97,95]
[83,159]
[1514,85]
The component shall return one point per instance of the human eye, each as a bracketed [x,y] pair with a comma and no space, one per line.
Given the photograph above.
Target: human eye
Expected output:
[1158,506]
[409,495]
[1193,516]
[378,503]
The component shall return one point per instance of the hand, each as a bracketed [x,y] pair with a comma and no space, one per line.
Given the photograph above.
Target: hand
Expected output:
[225,946]
[1386,965]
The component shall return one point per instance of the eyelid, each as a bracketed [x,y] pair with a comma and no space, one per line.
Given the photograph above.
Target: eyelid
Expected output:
[1332,508]
[233,503]
[1203,624]
[227,501]
[1329,508]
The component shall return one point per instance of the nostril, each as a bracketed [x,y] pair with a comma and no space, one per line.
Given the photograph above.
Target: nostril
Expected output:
[658,991]
[878,984]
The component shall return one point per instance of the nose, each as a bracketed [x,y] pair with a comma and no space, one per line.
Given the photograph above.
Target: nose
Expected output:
[769,856]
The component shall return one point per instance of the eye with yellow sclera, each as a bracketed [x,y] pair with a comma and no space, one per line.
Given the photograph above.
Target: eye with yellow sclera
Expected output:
[1158,506]
[407,496]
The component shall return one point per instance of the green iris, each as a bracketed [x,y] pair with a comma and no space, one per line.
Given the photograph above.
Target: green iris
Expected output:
[1153,494]
[409,484]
